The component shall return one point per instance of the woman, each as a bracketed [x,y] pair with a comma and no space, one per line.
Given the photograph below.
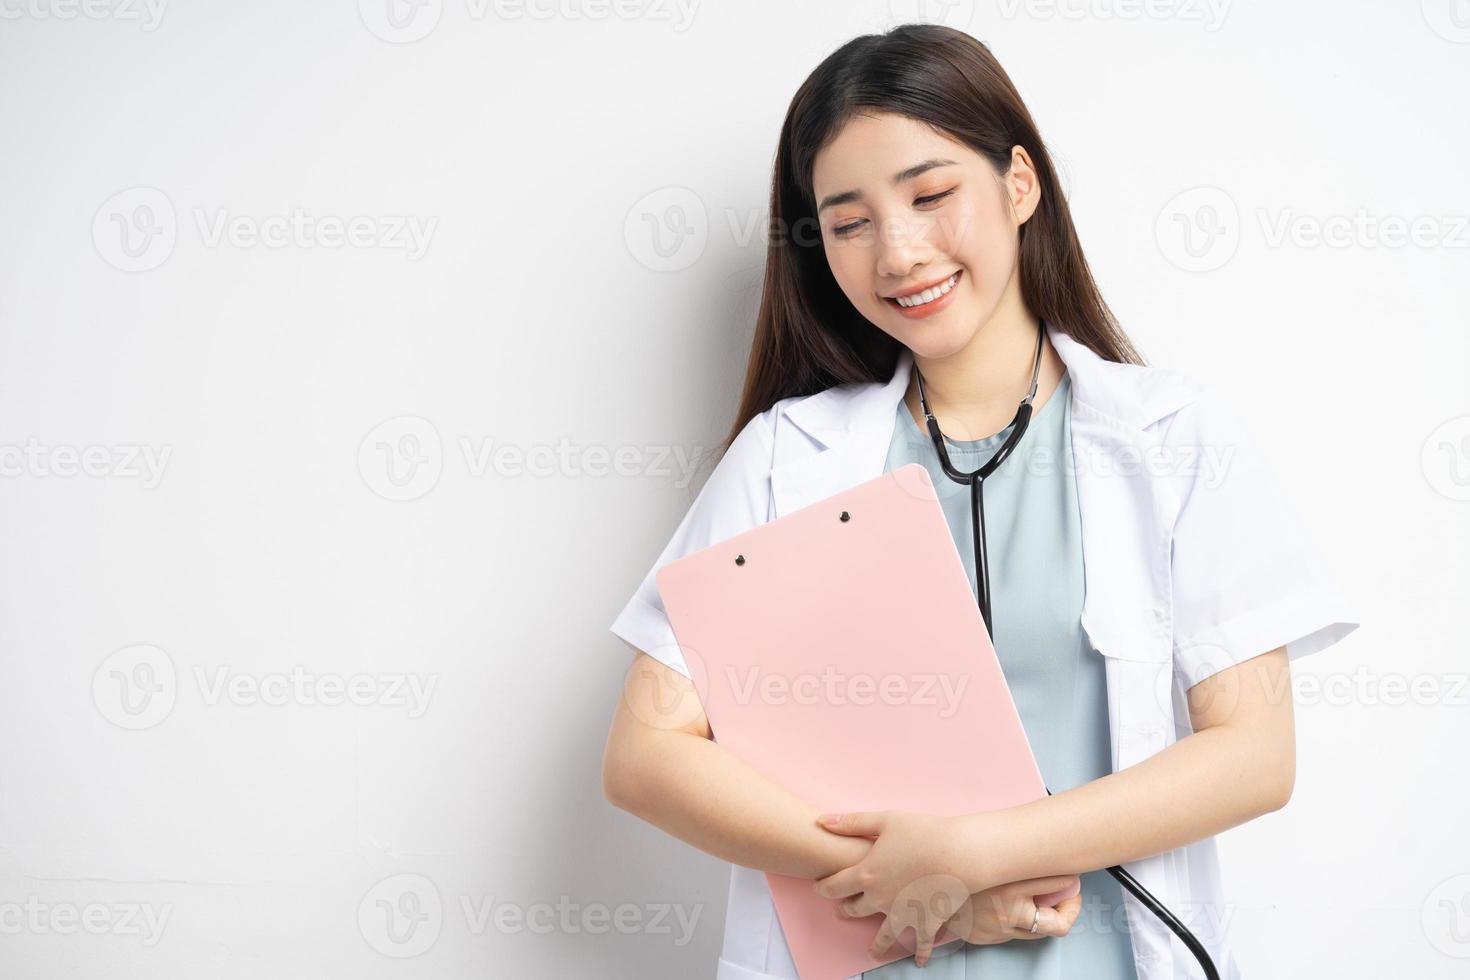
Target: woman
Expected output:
[1148,587]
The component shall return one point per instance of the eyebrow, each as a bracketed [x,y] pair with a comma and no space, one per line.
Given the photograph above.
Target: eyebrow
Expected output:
[846,197]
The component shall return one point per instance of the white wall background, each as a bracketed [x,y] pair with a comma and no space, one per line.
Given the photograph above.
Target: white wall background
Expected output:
[205,533]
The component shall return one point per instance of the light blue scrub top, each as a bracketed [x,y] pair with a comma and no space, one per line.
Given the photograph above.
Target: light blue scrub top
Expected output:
[1034,544]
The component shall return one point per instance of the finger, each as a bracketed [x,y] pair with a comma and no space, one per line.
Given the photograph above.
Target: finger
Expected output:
[1024,915]
[1069,909]
[1049,922]
[843,884]
[853,824]
[857,907]
[1045,886]
[925,944]
[882,942]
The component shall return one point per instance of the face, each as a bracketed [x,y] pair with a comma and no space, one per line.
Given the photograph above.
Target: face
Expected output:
[905,210]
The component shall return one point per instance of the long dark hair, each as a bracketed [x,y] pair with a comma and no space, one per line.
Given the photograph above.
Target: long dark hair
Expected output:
[808,336]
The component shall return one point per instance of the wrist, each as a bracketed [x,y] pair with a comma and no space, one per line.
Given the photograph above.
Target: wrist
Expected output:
[840,852]
[979,854]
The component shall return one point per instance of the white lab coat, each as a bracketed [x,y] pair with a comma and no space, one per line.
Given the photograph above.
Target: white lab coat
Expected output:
[1191,561]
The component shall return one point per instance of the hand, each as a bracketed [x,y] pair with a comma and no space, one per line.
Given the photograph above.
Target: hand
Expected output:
[1003,913]
[904,876]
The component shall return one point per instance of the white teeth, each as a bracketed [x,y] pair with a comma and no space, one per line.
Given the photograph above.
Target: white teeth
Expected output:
[928,295]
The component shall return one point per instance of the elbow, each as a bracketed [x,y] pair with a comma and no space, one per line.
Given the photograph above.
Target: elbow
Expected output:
[1277,789]
[1280,794]
[615,782]
[622,780]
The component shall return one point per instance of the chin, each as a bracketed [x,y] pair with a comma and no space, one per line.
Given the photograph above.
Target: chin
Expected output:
[934,342]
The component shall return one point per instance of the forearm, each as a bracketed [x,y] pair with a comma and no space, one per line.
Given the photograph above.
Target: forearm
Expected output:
[1201,785]
[698,791]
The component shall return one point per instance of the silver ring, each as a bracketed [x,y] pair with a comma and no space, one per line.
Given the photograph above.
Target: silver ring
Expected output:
[1036,918]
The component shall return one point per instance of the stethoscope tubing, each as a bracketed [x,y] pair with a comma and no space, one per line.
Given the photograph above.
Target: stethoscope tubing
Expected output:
[976,481]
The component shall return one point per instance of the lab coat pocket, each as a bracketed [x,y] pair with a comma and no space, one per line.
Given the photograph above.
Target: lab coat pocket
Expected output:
[1129,634]
[730,970]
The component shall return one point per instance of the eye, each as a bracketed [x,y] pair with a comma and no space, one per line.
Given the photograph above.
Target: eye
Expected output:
[842,231]
[934,197]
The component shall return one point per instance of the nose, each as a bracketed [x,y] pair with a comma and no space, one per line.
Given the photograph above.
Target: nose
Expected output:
[901,247]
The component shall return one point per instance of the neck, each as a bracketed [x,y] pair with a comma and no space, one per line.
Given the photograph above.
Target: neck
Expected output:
[974,392]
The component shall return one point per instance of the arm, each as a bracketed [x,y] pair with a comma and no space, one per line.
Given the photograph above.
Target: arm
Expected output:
[660,764]
[1239,763]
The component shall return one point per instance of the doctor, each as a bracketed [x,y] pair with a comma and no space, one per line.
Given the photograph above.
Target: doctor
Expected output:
[937,241]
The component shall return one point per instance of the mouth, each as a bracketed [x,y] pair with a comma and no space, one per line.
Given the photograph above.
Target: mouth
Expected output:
[930,299]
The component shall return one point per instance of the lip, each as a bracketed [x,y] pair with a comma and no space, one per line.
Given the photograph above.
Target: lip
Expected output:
[932,307]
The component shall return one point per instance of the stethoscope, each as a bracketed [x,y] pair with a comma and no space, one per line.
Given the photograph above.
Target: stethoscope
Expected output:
[976,480]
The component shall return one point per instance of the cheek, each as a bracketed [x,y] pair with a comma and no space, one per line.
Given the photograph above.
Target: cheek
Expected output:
[854,274]
[987,247]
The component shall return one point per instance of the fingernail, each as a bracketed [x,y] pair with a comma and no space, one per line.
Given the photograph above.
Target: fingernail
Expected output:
[828,818]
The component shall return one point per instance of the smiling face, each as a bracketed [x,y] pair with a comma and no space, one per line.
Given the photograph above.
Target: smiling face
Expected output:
[919,230]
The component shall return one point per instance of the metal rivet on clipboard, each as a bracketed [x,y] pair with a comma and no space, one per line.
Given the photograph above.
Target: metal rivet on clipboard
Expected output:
[740,559]
[845,517]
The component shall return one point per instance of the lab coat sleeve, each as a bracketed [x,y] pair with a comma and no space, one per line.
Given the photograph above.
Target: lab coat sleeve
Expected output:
[1245,576]
[735,498]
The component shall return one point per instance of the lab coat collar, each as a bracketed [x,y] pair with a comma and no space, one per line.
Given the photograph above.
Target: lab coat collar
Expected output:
[853,423]
[1133,395]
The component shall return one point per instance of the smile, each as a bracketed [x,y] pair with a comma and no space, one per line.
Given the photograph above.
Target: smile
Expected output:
[925,300]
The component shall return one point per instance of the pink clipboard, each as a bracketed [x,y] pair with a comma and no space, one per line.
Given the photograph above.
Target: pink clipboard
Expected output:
[839,651]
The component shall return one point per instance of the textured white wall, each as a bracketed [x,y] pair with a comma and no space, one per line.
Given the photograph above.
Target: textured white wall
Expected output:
[354,367]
